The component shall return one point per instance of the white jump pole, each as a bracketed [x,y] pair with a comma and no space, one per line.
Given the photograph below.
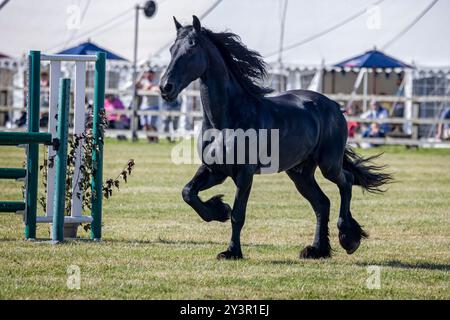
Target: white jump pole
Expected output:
[79,127]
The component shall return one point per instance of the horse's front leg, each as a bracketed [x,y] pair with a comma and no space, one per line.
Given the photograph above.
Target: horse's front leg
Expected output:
[243,183]
[214,208]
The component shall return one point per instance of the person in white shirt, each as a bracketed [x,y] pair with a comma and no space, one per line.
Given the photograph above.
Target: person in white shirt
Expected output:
[149,102]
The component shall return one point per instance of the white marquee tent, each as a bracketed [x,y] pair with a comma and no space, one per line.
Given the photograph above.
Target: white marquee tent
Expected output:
[338,29]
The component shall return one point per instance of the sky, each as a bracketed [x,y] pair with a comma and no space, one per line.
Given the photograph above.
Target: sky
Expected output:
[50,26]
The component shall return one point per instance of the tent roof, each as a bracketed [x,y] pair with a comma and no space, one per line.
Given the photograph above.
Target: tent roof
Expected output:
[51,26]
[372,59]
[88,47]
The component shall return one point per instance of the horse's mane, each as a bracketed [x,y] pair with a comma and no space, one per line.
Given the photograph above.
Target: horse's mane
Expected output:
[247,66]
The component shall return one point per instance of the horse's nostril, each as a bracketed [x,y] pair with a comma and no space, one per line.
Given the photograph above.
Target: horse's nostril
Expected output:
[168,87]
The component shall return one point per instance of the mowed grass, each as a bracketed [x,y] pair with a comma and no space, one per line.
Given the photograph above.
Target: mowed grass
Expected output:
[156,247]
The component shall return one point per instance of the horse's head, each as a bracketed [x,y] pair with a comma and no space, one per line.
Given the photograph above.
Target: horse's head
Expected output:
[188,60]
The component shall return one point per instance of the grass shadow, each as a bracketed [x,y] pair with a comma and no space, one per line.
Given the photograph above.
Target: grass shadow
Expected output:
[10,239]
[288,262]
[164,241]
[190,242]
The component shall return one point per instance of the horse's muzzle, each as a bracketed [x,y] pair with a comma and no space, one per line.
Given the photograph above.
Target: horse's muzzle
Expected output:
[168,91]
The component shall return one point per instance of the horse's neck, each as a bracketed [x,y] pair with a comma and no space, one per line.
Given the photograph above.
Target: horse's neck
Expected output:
[217,88]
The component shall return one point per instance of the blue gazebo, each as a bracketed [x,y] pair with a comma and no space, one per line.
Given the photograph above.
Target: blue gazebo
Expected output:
[372,59]
[114,65]
[91,48]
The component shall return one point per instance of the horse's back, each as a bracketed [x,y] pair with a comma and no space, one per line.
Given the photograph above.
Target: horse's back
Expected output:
[325,110]
[332,122]
[308,97]
[328,119]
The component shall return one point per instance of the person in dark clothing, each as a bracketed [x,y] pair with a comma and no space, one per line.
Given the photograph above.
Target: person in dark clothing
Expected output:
[443,130]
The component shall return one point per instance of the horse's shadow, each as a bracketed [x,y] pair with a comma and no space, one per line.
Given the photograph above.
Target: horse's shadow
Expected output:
[147,242]
[390,263]
[185,242]
[407,265]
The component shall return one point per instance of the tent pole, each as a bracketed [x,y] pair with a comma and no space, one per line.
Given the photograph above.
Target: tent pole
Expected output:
[365,85]
[133,123]
[374,86]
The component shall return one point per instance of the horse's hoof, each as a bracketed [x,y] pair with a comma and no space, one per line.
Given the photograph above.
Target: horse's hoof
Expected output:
[350,234]
[221,211]
[311,252]
[229,255]
[224,213]
[349,243]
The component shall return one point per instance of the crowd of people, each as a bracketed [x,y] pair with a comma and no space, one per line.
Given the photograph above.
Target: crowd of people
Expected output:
[374,129]
[155,123]
[114,107]
[377,128]
[151,123]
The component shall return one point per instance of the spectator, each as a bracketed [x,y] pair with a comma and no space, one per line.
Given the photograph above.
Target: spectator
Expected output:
[45,98]
[149,102]
[174,119]
[351,125]
[443,130]
[397,129]
[374,131]
[398,110]
[116,121]
[376,112]
[22,121]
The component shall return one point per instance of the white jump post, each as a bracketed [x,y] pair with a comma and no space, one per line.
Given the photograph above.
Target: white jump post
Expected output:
[55,76]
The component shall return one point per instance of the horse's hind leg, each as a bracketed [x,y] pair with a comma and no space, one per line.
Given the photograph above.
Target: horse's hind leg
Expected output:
[350,232]
[306,184]
[212,209]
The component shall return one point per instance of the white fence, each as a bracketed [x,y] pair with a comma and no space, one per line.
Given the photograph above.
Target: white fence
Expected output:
[413,121]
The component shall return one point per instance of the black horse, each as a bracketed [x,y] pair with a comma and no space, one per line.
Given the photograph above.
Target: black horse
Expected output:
[311,128]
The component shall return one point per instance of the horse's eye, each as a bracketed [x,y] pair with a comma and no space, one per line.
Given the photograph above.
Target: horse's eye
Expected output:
[191,42]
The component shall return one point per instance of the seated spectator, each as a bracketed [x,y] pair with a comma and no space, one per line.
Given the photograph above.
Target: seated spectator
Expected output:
[377,112]
[374,131]
[45,98]
[351,125]
[171,106]
[116,121]
[398,112]
[443,130]
[22,121]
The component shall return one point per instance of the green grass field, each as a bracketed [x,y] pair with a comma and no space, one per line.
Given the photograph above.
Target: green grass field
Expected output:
[156,247]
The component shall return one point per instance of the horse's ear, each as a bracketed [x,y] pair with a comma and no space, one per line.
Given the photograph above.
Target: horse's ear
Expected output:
[196,24]
[178,25]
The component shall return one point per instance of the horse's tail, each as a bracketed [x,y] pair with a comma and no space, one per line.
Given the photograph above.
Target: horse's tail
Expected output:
[366,174]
